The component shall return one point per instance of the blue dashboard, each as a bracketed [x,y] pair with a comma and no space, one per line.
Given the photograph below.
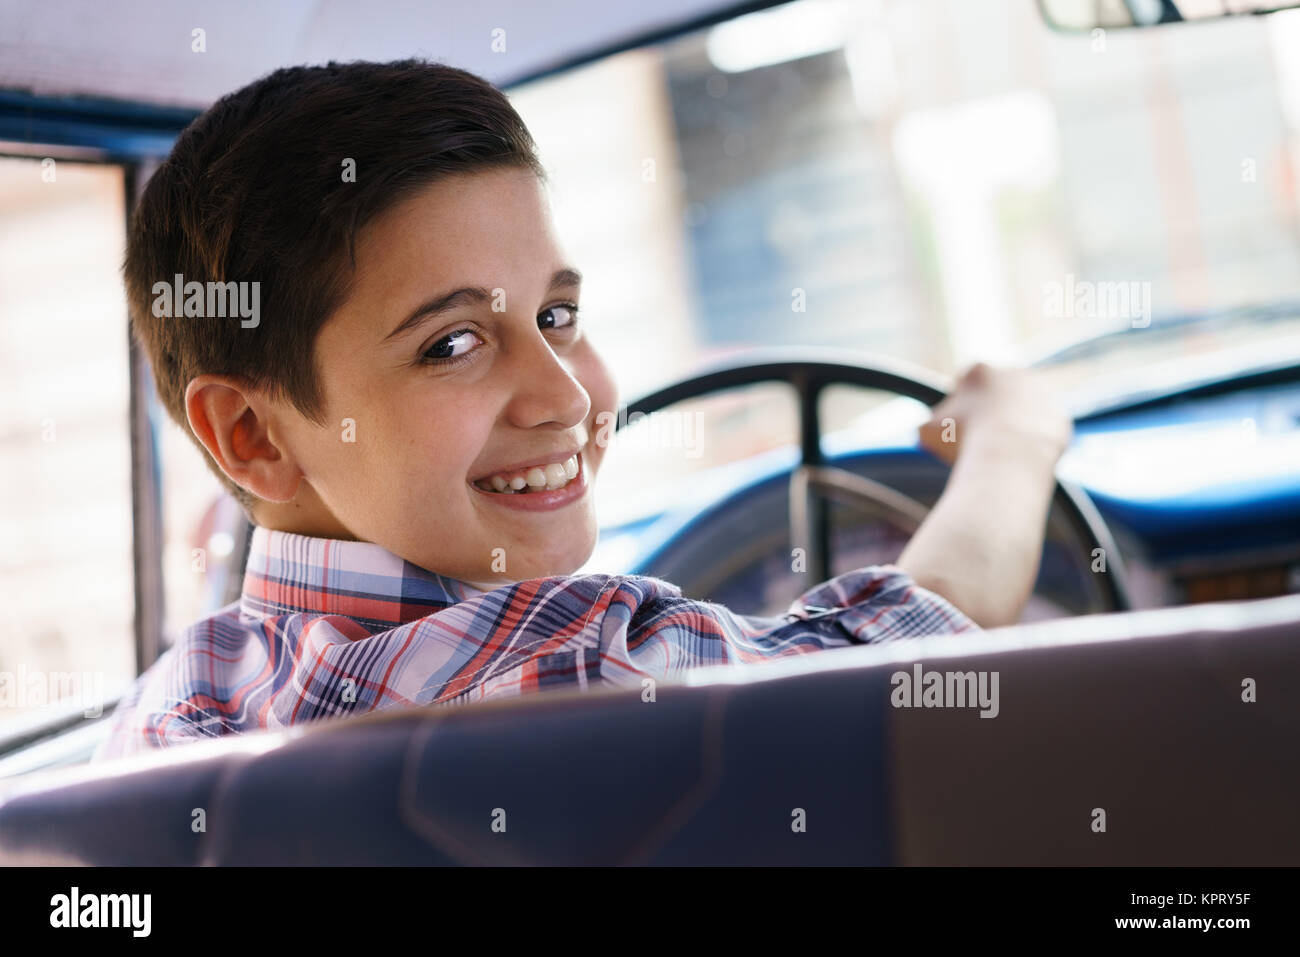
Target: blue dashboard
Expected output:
[1198,475]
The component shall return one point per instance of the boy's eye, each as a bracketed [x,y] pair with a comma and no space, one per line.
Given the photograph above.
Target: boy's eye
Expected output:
[452,345]
[557,317]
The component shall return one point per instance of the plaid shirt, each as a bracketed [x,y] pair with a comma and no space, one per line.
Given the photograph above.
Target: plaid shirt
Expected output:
[327,627]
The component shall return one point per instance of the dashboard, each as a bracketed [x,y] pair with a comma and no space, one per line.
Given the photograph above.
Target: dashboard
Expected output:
[1204,487]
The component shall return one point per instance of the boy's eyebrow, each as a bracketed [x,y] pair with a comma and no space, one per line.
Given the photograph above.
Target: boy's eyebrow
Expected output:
[472,295]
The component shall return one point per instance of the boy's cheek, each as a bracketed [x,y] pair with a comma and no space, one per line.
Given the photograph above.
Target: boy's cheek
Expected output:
[601,388]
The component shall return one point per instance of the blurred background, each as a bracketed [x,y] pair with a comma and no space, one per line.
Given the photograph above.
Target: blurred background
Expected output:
[913,178]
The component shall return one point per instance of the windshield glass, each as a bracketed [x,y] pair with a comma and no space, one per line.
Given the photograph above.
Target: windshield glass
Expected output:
[932,181]
[935,181]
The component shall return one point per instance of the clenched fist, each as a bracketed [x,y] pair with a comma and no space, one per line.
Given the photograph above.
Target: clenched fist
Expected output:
[1008,411]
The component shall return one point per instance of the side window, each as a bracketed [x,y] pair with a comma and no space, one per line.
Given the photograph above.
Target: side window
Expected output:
[65,454]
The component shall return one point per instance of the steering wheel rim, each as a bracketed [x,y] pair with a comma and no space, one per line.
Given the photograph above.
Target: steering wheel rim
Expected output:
[810,374]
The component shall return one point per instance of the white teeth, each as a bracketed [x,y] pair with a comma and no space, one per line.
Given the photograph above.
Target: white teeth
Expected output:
[553,476]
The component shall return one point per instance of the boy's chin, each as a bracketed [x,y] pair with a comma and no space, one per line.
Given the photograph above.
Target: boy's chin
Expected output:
[549,566]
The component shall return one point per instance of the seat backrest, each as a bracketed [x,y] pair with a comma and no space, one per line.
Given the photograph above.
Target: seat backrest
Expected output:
[1118,739]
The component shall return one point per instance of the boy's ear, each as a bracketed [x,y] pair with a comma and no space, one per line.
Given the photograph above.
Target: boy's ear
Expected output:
[232,421]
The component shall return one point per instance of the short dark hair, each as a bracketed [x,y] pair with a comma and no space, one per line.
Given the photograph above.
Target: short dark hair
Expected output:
[254,190]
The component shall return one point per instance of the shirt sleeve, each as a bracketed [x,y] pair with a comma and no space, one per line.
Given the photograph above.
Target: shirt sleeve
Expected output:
[881,603]
[135,724]
[668,633]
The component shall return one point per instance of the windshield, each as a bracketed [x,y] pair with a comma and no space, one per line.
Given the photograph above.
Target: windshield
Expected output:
[939,182]
[935,182]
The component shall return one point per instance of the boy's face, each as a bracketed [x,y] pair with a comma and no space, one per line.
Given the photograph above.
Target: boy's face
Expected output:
[422,415]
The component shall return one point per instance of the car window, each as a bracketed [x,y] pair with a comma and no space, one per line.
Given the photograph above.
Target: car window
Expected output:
[65,511]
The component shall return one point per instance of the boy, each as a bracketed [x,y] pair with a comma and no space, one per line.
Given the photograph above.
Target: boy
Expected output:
[411,396]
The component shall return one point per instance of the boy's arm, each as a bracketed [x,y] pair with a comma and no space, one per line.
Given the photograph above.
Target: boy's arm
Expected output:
[980,545]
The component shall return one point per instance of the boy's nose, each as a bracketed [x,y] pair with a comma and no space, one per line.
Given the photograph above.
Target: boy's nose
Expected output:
[545,392]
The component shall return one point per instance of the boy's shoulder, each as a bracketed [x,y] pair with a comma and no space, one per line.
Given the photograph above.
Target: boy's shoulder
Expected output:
[169,701]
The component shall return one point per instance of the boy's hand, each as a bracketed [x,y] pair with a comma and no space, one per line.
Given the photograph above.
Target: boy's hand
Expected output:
[1007,411]
[979,547]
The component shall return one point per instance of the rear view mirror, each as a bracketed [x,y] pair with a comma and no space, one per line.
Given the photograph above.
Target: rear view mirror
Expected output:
[1084,15]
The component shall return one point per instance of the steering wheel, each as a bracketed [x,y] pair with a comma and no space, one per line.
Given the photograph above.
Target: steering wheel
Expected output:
[813,484]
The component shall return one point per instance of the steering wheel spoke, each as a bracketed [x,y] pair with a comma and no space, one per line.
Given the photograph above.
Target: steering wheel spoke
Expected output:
[815,486]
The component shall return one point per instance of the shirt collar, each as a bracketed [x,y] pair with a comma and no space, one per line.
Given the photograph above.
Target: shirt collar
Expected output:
[288,573]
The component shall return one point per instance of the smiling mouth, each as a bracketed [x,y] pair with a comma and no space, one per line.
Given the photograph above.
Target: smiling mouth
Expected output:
[536,478]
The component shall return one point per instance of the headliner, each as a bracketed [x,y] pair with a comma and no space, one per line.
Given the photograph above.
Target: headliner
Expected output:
[139,50]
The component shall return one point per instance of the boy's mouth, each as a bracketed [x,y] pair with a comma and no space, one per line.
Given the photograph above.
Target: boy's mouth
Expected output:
[546,477]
